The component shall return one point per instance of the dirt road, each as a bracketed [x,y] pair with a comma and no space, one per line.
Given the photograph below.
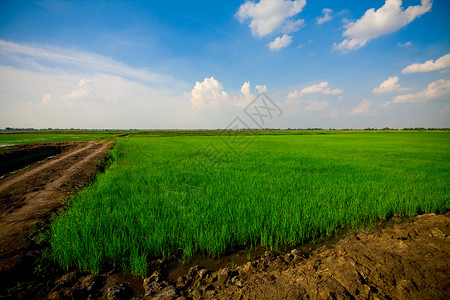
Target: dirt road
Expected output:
[29,196]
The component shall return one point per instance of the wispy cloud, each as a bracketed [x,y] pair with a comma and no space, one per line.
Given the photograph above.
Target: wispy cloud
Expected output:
[320,88]
[46,58]
[407,44]
[326,16]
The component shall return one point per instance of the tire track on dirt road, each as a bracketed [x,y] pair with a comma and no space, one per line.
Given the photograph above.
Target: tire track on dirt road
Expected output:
[22,175]
[42,189]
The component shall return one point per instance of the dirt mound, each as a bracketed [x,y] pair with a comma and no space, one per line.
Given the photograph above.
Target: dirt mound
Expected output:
[28,197]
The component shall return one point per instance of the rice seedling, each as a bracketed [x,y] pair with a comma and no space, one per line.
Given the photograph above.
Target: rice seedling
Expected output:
[164,196]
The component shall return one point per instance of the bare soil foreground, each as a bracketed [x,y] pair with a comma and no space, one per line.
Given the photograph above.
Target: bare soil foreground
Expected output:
[402,259]
[29,197]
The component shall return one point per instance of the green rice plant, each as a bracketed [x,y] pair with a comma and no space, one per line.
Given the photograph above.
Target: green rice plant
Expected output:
[163,196]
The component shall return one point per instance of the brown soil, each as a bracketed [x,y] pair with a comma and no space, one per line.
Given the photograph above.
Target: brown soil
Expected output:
[402,259]
[29,197]
[16,157]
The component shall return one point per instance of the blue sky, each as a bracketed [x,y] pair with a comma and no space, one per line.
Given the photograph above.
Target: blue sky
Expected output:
[198,64]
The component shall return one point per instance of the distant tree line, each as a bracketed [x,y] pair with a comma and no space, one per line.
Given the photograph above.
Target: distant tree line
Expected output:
[343,129]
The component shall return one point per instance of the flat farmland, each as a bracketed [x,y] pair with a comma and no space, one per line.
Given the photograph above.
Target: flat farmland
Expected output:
[188,195]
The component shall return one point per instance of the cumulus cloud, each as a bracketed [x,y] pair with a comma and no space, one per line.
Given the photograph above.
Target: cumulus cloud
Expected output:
[326,16]
[261,88]
[280,42]
[316,105]
[268,16]
[388,86]
[363,108]
[209,92]
[441,63]
[374,23]
[246,96]
[321,88]
[437,90]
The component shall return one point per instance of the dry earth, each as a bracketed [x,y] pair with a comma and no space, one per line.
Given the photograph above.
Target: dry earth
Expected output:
[400,260]
[30,196]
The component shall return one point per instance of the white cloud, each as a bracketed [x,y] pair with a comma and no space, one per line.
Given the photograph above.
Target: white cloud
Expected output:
[388,86]
[374,23]
[280,42]
[246,96]
[46,98]
[363,108]
[407,44]
[316,105]
[437,90]
[268,16]
[441,63]
[326,16]
[261,88]
[209,92]
[321,88]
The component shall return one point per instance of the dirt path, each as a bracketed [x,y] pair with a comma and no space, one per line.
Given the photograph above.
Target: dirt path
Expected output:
[20,176]
[31,195]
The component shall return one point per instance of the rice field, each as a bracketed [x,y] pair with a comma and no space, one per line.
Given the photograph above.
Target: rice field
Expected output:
[189,195]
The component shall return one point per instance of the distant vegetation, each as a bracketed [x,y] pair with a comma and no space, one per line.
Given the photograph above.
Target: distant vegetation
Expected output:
[185,195]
